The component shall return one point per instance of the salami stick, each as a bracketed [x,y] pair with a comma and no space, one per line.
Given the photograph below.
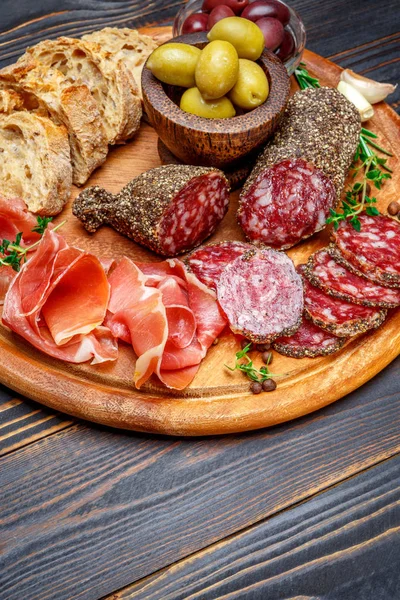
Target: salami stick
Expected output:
[301,173]
[170,209]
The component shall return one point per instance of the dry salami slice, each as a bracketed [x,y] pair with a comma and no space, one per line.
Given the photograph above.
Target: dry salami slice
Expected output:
[309,341]
[261,295]
[208,262]
[339,317]
[286,203]
[170,209]
[335,280]
[374,251]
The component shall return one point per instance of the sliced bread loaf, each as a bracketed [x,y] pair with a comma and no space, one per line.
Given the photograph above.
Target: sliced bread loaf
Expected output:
[109,82]
[46,91]
[126,45]
[35,161]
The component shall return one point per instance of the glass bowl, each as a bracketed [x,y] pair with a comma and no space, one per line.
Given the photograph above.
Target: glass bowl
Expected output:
[295,26]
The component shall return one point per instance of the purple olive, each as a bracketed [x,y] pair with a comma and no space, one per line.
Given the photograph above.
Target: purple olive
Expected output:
[194,23]
[218,13]
[273,32]
[286,49]
[236,5]
[266,8]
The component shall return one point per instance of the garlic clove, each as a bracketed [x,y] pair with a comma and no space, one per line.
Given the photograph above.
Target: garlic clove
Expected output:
[364,108]
[373,91]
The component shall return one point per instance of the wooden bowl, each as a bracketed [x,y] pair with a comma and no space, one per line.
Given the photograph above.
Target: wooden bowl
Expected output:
[214,142]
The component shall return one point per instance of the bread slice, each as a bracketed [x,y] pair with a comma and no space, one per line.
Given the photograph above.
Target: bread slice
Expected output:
[47,92]
[109,82]
[126,45]
[10,101]
[35,161]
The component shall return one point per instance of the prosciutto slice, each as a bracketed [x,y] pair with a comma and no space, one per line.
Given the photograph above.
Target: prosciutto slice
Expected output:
[14,219]
[137,315]
[58,302]
[169,317]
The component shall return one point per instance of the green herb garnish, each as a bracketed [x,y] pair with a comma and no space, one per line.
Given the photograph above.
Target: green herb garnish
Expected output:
[248,367]
[304,78]
[356,198]
[42,224]
[12,254]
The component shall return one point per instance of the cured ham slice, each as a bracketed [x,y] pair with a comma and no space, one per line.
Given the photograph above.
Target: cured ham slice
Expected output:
[169,317]
[14,219]
[178,370]
[58,302]
[137,315]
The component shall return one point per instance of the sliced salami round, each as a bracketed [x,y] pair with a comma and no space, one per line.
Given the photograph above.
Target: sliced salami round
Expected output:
[309,341]
[339,317]
[170,209]
[374,251]
[335,280]
[208,262]
[261,295]
[286,203]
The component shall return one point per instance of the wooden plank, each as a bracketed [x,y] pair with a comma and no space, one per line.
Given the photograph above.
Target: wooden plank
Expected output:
[379,59]
[88,511]
[29,22]
[344,543]
[23,421]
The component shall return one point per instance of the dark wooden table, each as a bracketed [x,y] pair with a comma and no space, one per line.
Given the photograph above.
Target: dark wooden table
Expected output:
[307,510]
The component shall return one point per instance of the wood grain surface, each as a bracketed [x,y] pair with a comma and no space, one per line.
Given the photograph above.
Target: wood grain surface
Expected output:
[23,422]
[343,539]
[48,539]
[216,402]
[87,511]
[360,35]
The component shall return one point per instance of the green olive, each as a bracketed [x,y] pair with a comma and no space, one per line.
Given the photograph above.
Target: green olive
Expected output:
[251,88]
[245,35]
[193,102]
[217,69]
[174,64]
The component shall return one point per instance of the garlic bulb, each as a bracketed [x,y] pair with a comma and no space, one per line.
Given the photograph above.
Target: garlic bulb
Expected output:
[364,108]
[372,90]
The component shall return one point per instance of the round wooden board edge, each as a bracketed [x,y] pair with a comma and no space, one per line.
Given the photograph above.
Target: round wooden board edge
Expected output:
[129,409]
[311,389]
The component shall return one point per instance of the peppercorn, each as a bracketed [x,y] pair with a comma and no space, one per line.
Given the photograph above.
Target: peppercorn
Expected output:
[393,209]
[267,357]
[263,347]
[256,387]
[269,385]
[245,343]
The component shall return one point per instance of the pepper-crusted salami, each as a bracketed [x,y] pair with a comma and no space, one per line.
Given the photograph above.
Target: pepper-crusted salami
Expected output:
[335,280]
[339,317]
[261,295]
[170,209]
[374,251]
[309,341]
[286,203]
[321,127]
[208,262]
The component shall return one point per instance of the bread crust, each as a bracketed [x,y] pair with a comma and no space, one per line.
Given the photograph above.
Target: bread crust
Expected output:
[127,45]
[65,103]
[109,82]
[38,159]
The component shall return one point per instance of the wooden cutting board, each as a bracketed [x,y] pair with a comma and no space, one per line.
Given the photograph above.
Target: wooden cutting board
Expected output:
[217,401]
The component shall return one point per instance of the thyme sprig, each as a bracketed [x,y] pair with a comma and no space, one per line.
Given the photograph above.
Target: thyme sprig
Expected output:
[357,200]
[248,367]
[365,159]
[12,254]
